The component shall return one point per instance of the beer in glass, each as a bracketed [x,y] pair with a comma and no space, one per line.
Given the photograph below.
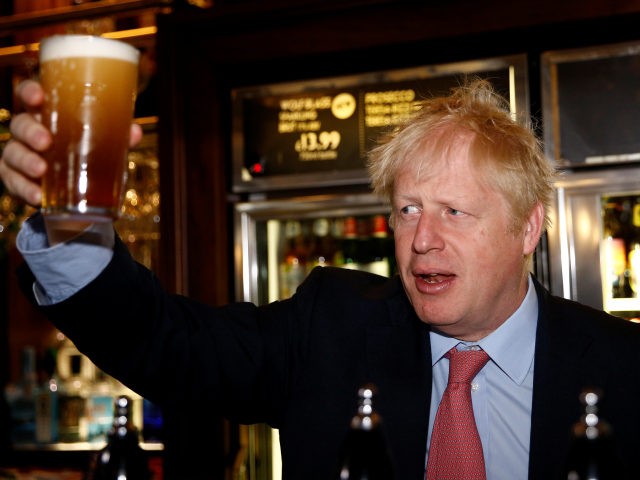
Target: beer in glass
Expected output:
[90,86]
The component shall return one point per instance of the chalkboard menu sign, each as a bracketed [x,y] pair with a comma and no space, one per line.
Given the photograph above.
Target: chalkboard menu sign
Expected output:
[317,133]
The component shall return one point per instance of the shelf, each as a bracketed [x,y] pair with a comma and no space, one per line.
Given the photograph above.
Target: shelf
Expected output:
[18,22]
[79,447]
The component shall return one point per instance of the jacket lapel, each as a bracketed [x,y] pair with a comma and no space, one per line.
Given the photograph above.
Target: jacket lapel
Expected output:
[561,360]
[399,362]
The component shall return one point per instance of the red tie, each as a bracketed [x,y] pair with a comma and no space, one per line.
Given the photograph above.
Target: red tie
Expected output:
[456,451]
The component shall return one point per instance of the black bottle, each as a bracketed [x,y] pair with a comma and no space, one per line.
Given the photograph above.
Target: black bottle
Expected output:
[365,454]
[122,458]
[592,455]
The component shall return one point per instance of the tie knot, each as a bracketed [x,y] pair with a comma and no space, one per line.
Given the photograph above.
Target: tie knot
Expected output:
[465,364]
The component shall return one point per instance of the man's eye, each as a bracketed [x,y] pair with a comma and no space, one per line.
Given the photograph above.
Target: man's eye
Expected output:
[454,212]
[409,210]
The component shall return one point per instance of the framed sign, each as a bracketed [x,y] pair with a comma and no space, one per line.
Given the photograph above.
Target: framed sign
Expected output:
[591,105]
[317,133]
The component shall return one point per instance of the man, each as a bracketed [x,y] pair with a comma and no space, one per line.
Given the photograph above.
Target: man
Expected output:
[468,188]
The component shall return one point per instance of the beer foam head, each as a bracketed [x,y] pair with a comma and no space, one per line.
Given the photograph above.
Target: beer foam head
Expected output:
[67,46]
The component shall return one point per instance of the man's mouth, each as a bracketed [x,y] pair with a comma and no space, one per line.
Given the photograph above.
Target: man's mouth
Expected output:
[434,277]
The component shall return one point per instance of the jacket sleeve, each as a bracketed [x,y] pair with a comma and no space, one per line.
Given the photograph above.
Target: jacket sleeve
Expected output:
[240,359]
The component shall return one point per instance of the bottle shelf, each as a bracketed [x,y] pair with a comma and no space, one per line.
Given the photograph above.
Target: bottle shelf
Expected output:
[79,447]
[623,304]
[628,308]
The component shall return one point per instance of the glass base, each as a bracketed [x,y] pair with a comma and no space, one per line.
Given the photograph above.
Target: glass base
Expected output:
[72,215]
[64,226]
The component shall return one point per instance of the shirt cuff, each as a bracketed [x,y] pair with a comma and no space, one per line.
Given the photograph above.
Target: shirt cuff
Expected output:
[65,268]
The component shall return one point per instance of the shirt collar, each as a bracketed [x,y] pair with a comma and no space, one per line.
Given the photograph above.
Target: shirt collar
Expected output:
[511,346]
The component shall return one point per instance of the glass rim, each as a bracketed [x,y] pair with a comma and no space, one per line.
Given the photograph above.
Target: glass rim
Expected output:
[86,45]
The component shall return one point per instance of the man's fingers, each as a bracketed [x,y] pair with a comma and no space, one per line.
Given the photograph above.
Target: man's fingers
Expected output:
[31,94]
[26,129]
[135,135]
[18,157]
[19,185]
[20,168]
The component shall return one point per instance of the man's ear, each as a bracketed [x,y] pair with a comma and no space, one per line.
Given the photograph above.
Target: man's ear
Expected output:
[533,229]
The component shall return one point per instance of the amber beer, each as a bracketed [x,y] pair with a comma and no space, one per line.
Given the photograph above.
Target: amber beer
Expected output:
[90,86]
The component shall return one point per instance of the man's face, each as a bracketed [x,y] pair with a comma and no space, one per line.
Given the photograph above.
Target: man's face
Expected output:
[462,267]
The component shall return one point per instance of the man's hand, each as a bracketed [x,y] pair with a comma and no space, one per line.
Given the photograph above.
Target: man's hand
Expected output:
[22,165]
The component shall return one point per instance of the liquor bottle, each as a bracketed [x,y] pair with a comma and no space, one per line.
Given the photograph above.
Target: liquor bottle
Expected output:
[72,403]
[381,254]
[20,397]
[99,407]
[322,249]
[337,235]
[122,457]
[293,264]
[365,454]
[351,251]
[136,407]
[591,453]
[634,250]
[613,246]
[47,401]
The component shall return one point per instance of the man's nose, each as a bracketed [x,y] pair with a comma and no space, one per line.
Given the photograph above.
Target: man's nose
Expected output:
[428,235]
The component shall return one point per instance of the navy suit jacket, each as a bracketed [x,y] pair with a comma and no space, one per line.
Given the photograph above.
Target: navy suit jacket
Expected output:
[297,364]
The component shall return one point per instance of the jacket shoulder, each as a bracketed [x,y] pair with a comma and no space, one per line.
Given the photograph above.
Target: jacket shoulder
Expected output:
[343,281]
[580,318]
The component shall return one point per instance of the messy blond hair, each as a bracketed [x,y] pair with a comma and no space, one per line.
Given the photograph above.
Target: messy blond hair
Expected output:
[507,151]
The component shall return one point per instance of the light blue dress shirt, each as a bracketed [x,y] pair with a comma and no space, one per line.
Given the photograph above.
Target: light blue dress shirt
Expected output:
[502,393]
[65,268]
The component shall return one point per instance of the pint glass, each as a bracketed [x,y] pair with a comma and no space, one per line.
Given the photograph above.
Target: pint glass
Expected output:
[90,86]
